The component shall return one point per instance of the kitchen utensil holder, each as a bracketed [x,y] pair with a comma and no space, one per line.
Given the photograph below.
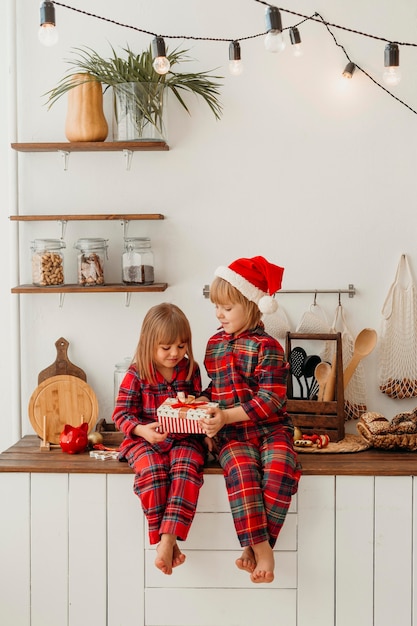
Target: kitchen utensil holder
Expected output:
[312,416]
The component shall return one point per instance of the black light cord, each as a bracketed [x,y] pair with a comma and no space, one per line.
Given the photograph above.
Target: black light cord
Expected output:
[316,17]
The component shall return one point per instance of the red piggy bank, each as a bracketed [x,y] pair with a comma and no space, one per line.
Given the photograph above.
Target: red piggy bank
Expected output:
[74,439]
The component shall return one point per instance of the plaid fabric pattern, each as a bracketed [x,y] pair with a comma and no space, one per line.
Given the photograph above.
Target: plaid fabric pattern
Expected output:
[261,477]
[168,485]
[138,400]
[168,476]
[248,370]
[257,456]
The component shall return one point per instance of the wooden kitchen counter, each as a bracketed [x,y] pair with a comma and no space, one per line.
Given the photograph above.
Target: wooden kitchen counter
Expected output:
[26,456]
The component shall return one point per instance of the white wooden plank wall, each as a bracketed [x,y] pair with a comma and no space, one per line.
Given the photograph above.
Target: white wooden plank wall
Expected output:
[208,590]
[354,550]
[316,540]
[15,549]
[125,554]
[74,552]
[393,550]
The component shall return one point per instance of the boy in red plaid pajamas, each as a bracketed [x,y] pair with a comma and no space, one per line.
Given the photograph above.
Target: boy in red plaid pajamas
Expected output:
[168,467]
[253,433]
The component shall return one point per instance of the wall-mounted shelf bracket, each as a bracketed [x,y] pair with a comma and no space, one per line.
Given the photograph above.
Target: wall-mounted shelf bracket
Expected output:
[65,155]
[125,224]
[128,154]
[63,228]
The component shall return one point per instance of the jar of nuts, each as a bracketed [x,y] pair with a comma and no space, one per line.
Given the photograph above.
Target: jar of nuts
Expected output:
[47,262]
[91,257]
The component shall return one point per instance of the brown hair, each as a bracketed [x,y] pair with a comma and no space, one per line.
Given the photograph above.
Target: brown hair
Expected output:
[162,325]
[222,292]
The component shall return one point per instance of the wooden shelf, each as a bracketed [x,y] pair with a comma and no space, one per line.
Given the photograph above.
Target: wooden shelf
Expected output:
[66,218]
[91,146]
[110,287]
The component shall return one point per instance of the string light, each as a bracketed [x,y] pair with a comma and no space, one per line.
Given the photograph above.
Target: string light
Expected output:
[47,33]
[274,41]
[391,75]
[270,9]
[160,64]
[295,39]
[349,70]
[235,61]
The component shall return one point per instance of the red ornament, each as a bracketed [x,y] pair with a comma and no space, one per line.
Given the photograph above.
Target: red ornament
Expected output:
[74,439]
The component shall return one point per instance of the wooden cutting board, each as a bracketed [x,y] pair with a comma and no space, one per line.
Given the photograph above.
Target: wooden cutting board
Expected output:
[60,400]
[62,364]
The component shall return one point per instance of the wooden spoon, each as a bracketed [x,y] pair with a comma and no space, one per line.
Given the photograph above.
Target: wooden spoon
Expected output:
[331,381]
[365,342]
[321,374]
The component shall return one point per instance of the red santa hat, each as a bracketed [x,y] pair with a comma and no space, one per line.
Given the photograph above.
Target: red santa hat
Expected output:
[256,279]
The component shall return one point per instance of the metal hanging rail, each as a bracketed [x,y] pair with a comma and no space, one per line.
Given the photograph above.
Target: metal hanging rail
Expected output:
[351,291]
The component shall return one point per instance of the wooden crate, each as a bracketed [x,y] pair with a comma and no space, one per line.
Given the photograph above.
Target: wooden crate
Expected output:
[312,416]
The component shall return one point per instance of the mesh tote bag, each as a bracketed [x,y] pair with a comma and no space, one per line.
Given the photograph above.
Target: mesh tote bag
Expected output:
[277,324]
[355,403]
[313,321]
[397,355]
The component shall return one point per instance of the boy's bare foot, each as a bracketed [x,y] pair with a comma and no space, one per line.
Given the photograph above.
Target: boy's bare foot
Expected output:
[247,561]
[265,563]
[168,554]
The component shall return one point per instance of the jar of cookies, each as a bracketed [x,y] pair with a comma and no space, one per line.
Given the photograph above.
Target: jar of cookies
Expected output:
[137,261]
[47,262]
[91,260]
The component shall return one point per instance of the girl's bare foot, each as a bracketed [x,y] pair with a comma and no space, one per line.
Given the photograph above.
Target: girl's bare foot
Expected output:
[178,557]
[265,563]
[247,561]
[168,554]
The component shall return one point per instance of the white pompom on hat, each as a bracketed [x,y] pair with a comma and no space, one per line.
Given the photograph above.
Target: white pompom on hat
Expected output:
[256,279]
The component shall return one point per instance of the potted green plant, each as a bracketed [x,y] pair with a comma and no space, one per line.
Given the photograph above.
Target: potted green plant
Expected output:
[139,91]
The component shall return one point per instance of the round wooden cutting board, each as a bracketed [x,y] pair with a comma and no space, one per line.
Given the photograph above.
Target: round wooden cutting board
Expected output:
[61,400]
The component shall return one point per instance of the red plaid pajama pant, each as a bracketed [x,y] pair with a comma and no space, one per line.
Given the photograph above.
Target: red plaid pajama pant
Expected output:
[261,477]
[168,485]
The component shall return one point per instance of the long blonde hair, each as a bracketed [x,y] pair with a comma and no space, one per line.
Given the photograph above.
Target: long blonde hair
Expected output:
[222,292]
[162,325]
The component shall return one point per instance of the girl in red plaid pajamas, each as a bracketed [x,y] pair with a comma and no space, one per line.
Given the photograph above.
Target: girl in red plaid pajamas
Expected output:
[168,467]
[253,433]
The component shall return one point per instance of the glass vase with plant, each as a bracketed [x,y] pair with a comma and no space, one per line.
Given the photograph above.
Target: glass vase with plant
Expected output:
[139,91]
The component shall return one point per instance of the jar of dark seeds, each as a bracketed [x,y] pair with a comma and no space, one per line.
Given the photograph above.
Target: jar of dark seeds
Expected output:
[137,261]
[47,262]
[91,259]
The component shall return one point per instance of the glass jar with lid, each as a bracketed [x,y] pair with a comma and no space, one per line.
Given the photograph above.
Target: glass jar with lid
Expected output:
[91,259]
[120,370]
[47,262]
[138,261]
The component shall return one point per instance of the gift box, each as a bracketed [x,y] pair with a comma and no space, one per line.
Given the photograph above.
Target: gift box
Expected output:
[183,417]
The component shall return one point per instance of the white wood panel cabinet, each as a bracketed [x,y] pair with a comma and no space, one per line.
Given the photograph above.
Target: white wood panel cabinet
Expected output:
[74,552]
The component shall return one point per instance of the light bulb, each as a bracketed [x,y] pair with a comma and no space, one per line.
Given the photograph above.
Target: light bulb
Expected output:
[235,67]
[161,65]
[391,76]
[349,70]
[48,35]
[274,41]
[297,50]
[295,39]
[235,62]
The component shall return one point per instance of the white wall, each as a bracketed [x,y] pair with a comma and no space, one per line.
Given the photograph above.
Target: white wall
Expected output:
[318,181]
